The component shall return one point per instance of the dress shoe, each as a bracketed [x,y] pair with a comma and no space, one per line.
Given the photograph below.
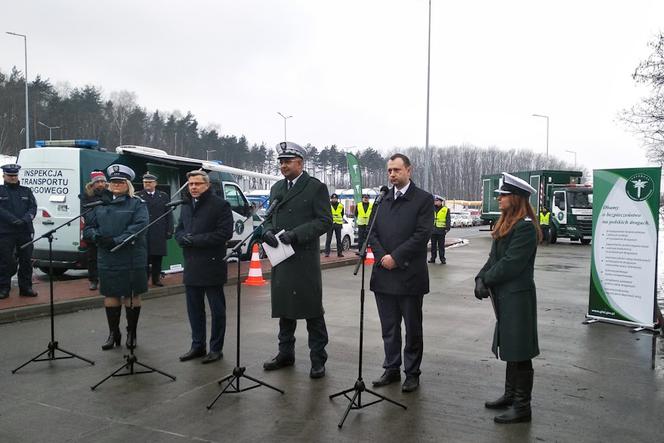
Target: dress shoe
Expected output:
[93,285]
[327,255]
[27,293]
[443,261]
[340,255]
[4,293]
[318,372]
[432,260]
[278,362]
[157,283]
[192,354]
[411,384]
[212,357]
[389,376]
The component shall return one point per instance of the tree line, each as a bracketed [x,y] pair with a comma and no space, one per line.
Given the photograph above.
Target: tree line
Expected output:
[84,112]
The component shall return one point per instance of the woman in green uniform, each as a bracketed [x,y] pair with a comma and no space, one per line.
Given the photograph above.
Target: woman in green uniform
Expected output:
[508,274]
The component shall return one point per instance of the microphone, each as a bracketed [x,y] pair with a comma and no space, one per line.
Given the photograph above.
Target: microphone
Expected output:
[93,204]
[383,192]
[174,203]
[272,207]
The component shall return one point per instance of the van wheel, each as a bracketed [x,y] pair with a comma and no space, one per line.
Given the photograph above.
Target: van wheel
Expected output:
[553,235]
[57,272]
[345,243]
[585,241]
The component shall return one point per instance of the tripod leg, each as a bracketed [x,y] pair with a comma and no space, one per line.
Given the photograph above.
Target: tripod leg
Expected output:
[223,391]
[29,361]
[262,383]
[126,365]
[386,399]
[154,370]
[350,406]
[71,354]
[342,393]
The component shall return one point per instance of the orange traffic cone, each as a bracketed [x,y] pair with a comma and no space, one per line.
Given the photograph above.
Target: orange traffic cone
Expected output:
[369,259]
[255,277]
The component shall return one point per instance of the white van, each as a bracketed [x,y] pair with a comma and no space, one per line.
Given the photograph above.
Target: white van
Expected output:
[57,172]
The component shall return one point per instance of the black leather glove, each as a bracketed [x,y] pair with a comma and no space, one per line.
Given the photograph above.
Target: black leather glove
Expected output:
[105,242]
[187,240]
[481,291]
[169,235]
[18,222]
[288,237]
[270,239]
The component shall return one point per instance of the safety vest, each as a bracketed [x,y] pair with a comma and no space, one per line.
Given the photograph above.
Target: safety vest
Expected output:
[337,214]
[544,219]
[362,216]
[441,217]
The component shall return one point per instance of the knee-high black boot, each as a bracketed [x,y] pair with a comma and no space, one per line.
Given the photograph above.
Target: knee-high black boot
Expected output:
[507,398]
[132,321]
[114,337]
[520,410]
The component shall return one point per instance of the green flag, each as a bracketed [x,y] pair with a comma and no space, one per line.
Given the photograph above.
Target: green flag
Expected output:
[355,176]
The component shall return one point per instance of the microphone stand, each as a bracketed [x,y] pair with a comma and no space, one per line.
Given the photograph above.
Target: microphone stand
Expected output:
[131,359]
[233,385]
[359,387]
[53,344]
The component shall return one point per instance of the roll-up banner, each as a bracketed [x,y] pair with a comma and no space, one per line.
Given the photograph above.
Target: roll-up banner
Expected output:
[623,272]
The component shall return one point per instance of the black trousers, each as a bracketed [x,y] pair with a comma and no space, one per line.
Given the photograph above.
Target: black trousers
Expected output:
[196,311]
[391,310]
[317,339]
[545,232]
[438,245]
[154,267]
[328,239]
[361,235]
[93,273]
[12,255]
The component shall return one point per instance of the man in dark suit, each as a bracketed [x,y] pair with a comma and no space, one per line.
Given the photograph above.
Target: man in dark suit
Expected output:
[400,277]
[206,224]
[297,290]
[159,232]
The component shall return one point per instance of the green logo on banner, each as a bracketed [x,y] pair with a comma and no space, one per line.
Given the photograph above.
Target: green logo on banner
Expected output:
[639,187]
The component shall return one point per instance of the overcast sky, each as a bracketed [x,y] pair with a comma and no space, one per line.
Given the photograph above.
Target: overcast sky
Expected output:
[353,73]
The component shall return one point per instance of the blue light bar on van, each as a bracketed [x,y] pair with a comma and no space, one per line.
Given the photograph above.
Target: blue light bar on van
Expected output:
[89,144]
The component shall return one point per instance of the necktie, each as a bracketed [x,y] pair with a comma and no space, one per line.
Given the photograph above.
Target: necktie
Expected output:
[398,194]
[290,184]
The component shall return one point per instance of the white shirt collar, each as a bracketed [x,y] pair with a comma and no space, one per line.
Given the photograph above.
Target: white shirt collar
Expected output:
[296,178]
[403,190]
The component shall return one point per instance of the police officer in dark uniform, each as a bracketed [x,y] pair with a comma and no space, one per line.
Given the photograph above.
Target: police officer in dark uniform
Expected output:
[159,232]
[18,208]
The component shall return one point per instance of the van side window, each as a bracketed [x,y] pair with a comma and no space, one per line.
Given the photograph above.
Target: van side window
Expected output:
[235,198]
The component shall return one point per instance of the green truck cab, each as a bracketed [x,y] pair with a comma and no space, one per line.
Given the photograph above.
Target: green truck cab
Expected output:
[561,192]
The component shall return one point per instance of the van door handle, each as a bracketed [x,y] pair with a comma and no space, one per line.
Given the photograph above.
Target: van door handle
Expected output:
[48,222]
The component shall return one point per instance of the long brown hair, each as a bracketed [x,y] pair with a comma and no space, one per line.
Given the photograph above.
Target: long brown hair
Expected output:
[518,210]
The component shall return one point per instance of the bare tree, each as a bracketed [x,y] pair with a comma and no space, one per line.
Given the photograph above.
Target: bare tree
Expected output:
[647,117]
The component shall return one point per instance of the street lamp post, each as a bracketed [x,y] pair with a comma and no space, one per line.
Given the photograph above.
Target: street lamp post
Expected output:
[572,152]
[427,154]
[50,129]
[547,131]
[27,118]
[285,118]
[207,153]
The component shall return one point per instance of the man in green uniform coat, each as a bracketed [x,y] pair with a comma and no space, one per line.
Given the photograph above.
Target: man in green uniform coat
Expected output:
[303,213]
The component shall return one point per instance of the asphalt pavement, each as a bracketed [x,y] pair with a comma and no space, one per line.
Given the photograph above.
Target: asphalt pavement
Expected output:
[592,383]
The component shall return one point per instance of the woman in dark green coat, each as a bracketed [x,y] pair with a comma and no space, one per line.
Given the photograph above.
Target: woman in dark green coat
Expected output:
[122,272]
[508,274]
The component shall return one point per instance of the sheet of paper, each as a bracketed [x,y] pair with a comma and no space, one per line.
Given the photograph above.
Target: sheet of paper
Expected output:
[279,253]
